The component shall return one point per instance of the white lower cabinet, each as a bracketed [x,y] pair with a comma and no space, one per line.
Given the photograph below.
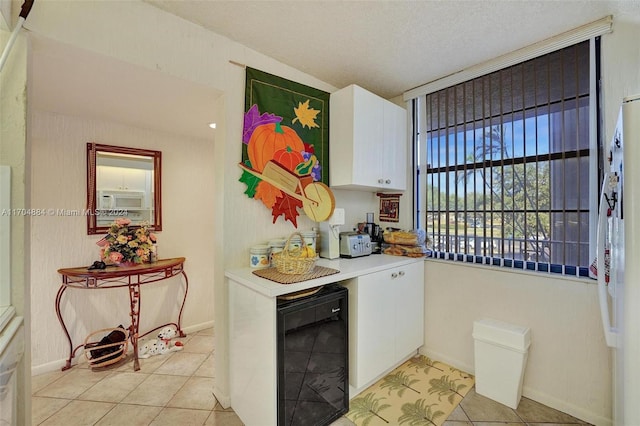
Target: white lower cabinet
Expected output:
[386,321]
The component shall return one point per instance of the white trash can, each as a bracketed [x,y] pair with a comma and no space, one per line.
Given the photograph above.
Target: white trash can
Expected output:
[501,351]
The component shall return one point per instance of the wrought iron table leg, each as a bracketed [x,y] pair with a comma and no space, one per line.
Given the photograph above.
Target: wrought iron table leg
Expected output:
[184,299]
[61,291]
[134,298]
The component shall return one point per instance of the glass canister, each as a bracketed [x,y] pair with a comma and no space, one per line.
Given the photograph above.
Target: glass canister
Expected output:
[309,238]
[259,256]
[276,247]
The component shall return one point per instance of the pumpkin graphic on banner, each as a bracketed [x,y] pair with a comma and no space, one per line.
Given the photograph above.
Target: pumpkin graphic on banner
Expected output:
[282,170]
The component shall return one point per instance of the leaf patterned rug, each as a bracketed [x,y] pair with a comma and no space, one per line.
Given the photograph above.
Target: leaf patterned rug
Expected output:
[419,392]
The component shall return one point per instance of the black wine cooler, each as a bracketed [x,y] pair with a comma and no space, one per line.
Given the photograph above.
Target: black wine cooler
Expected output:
[313,359]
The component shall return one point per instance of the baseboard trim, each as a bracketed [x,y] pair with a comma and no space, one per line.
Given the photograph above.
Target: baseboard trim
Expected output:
[221,397]
[57,365]
[198,327]
[453,362]
[573,410]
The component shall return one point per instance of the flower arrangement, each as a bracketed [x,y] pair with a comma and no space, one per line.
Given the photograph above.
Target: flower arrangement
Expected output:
[127,244]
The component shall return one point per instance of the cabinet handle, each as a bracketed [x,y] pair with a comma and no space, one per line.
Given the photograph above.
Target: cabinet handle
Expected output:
[388,181]
[394,275]
[401,273]
[380,180]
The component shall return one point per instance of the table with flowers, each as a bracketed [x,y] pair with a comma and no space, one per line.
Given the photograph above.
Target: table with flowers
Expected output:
[132,277]
[130,261]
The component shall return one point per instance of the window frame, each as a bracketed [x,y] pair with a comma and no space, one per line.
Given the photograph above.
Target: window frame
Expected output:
[595,147]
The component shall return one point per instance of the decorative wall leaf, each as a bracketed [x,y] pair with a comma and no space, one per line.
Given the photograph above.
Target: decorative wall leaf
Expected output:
[253,119]
[267,193]
[305,115]
[250,180]
[288,206]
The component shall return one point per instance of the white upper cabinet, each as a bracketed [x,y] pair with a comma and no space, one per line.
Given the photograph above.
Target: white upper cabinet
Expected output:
[116,178]
[368,141]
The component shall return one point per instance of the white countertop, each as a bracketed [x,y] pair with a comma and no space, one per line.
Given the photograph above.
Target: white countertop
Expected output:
[349,268]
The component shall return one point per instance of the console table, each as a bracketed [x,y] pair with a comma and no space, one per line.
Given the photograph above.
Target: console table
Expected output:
[132,277]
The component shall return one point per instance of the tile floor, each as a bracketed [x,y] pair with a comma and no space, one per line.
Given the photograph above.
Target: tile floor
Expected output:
[478,410]
[171,389]
[175,389]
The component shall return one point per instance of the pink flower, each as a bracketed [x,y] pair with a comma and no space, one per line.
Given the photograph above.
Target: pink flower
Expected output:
[114,256]
[140,252]
[152,237]
[122,221]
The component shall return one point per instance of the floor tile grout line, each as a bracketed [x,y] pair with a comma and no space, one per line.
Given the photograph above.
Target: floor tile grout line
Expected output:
[117,372]
[52,414]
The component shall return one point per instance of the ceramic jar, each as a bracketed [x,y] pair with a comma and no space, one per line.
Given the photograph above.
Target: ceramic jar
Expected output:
[259,256]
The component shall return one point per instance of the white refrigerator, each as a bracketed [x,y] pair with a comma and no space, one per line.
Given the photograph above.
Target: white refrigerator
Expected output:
[618,262]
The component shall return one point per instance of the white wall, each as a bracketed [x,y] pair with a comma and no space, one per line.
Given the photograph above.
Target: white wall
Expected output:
[569,367]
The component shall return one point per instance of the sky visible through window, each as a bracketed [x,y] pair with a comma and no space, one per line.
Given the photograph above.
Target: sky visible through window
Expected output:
[520,138]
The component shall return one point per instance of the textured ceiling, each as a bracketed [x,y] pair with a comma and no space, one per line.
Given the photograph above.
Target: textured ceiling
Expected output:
[389,47]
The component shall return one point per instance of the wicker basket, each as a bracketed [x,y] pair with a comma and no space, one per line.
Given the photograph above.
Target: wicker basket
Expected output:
[291,262]
[106,351]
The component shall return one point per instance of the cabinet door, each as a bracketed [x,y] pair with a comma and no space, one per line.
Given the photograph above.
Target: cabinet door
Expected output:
[375,323]
[409,311]
[134,179]
[368,128]
[394,147]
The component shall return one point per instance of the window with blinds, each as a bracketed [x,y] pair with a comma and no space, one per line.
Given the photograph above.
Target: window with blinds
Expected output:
[508,163]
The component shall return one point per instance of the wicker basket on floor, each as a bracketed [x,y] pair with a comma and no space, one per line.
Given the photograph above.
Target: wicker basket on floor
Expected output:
[106,351]
[291,261]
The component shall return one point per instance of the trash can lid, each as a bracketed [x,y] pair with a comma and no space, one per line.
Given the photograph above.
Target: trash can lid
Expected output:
[502,333]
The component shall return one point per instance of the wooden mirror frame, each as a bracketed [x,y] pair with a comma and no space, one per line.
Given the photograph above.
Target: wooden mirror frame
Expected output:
[92,206]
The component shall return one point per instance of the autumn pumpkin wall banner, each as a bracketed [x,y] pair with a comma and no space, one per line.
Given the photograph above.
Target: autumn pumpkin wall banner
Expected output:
[285,147]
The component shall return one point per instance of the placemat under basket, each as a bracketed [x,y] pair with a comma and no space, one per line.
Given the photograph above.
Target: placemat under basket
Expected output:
[272,274]
[291,261]
[109,350]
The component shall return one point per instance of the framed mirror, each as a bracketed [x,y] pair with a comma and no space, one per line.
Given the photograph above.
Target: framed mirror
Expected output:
[123,182]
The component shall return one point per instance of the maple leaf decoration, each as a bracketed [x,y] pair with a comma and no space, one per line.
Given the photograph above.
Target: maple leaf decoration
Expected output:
[267,193]
[305,115]
[287,206]
[250,180]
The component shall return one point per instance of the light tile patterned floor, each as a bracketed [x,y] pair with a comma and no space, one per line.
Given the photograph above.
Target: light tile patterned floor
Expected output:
[175,389]
[172,389]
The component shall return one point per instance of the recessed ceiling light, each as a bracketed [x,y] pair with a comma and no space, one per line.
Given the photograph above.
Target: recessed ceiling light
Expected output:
[212,125]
